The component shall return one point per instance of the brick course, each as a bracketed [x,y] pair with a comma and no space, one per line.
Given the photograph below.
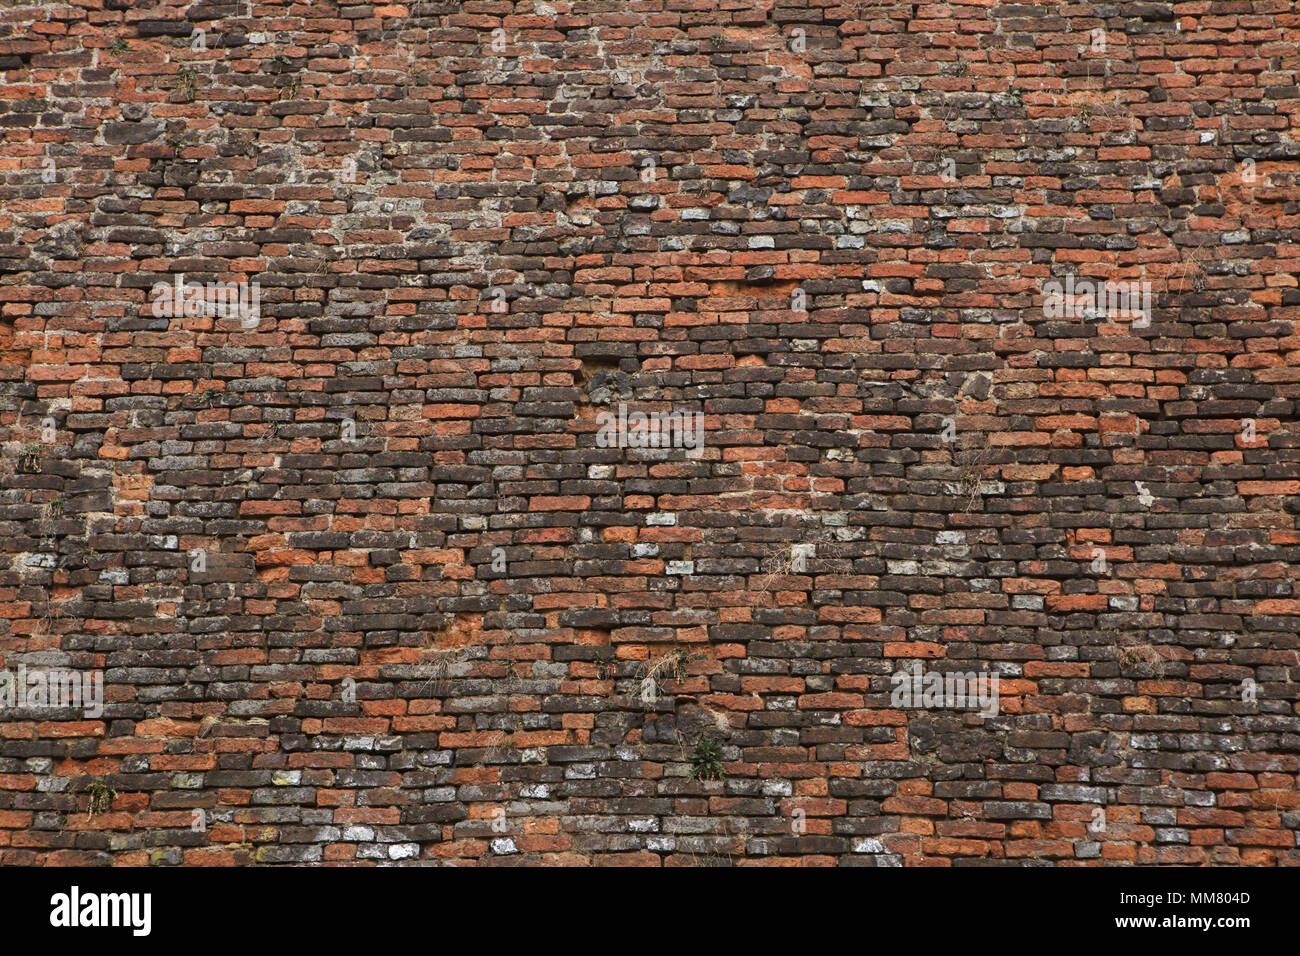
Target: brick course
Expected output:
[365,584]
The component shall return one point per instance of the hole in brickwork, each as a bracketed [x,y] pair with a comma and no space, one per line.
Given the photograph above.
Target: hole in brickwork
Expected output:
[593,365]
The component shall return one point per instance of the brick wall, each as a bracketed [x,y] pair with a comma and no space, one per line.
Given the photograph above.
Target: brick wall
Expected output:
[373,568]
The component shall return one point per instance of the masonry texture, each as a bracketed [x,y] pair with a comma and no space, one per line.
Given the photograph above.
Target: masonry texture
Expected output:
[363,584]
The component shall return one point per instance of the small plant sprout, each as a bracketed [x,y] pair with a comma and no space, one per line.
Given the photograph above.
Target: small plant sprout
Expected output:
[189,80]
[101,797]
[706,761]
